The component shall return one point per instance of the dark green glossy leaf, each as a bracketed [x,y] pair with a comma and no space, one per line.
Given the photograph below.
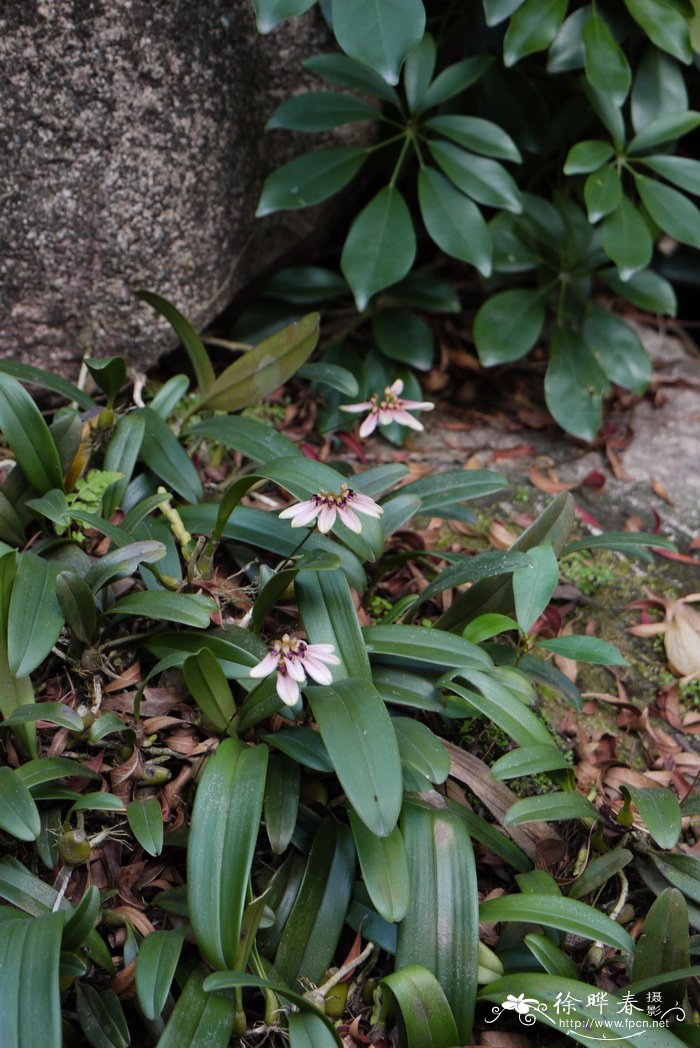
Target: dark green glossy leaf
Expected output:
[28,436]
[122,562]
[379,34]
[682,171]
[256,440]
[347,72]
[477,135]
[263,369]
[194,347]
[455,79]
[11,528]
[361,742]
[328,613]
[481,178]
[380,247]
[602,192]
[532,28]
[51,712]
[82,921]
[644,289]
[109,374]
[665,128]
[470,569]
[605,63]
[574,385]
[418,71]
[402,335]
[587,156]
[146,821]
[454,221]
[421,647]
[155,969]
[496,11]
[618,349]
[664,25]
[663,945]
[303,745]
[421,750]
[508,325]
[331,375]
[659,87]
[384,869]
[269,13]
[310,178]
[320,111]
[626,239]
[671,210]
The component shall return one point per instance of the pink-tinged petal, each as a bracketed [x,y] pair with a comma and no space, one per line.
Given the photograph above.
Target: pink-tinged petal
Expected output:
[320,673]
[326,519]
[386,417]
[324,652]
[418,405]
[350,519]
[356,408]
[294,668]
[295,508]
[404,419]
[267,666]
[396,387]
[369,425]
[287,689]
[306,516]
[364,504]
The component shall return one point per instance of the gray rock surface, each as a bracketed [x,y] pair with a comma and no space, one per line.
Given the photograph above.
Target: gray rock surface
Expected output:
[132,155]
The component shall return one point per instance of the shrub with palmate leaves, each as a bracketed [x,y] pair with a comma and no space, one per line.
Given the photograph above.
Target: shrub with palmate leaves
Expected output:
[320,802]
[494,126]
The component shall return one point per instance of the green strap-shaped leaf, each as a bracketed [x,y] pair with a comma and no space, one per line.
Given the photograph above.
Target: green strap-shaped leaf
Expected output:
[660,812]
[313,929]
[361,742]
[550,807]
[146,821]
[263,369]
[77,604]
[80,923]
[327,610]
[380,247]
[190,609]
[281,804]
[28,436]
[122,562]
[552,959]
[165,456]
[188,336]
[421,749]
[440,930]
[423,647]
[427,1016]
[585,649]
[663,946]
[384,869]
[223,832]
[19,815]
[46,380]
[599,872]
[30,1002]
[529,760]
[207,684]
[121,456]
[35,618]
[200,1019]
[380,33]
[155,969]
[568,915]
[256,440]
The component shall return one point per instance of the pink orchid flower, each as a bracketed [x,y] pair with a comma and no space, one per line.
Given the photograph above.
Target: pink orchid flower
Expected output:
[393,408]
[291,659]
[325,506]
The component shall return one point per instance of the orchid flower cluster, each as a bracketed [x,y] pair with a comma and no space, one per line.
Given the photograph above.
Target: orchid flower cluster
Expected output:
[324,506]
[291,659]
[392,408]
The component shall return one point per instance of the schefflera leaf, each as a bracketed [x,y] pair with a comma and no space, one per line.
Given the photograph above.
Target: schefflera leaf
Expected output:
[223,832]
[440,930]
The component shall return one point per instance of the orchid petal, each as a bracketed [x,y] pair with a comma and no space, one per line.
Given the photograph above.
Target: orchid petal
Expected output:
[350,519]
[320,673]
[396,387]
[267,666]
[404,419]
[326,519]
[294,668]
[369,425]
[356,408]
[287,689]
